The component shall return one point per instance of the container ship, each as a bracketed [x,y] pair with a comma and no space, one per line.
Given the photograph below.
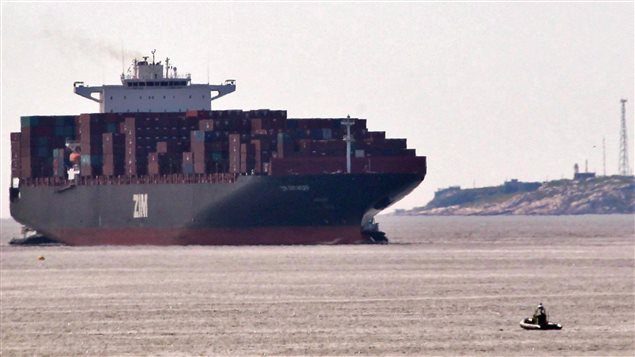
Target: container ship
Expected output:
[156,165]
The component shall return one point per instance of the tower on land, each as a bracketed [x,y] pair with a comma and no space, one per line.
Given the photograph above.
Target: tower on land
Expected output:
[624,168]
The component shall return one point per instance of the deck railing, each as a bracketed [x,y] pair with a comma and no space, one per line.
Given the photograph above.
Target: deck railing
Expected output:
[215,178]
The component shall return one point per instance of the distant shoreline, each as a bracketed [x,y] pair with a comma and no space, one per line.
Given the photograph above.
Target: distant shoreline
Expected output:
[589,195]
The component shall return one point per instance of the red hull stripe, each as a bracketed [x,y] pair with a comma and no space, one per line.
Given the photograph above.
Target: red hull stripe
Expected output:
[211,236]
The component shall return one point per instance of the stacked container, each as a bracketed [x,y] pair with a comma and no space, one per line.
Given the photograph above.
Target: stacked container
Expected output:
[187,163]
[91,128]
[234,153]
[144,133]
[114,149]
[15,154]
[197,142]
[247,157]
[59,162]
[39,136]
[209,150]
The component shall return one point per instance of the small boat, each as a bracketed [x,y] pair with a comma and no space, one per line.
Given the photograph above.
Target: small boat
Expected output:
[530,324]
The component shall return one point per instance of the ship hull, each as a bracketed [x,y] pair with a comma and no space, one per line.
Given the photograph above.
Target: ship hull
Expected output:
[298,209]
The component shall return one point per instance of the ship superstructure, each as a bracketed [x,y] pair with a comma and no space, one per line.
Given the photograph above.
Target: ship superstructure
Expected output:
[154,87]
[154,167]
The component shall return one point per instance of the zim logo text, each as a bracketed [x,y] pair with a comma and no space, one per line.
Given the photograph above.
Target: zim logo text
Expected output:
[140,205]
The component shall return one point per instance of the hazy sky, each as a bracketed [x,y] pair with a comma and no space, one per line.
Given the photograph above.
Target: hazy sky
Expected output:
[487,91]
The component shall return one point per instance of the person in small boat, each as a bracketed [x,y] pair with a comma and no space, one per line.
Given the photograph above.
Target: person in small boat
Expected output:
[540,315]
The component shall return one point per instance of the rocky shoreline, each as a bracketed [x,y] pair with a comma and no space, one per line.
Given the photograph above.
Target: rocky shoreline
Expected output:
[596,195]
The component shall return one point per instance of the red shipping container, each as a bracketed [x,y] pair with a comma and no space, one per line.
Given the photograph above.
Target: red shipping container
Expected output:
[256,124]
[192,114]
[199,168]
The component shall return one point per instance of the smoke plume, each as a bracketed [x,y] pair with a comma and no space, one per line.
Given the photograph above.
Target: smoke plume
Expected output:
[76,44]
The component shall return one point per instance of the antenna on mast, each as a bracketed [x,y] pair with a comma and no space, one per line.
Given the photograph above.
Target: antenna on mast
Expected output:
[153,51]
[624,168]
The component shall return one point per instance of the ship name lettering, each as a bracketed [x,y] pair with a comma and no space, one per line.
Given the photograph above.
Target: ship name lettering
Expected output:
[295,188]
[140,205]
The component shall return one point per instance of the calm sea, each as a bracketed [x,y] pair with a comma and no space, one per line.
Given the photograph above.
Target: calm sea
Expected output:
[445,286]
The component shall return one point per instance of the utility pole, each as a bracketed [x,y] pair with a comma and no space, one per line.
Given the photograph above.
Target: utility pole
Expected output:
[624,168]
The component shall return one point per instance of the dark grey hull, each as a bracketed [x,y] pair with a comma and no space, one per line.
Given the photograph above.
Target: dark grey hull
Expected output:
[253,210]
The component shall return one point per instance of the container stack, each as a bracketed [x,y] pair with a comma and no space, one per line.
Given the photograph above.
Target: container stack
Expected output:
[234,153]
[168,158]
[39,136]
[91,128]
[114,149]
[158,164]
[378,145]
[209,150]
[267,122]
[59,162]
[247,157]
[284,145]
[206,125]
[138,144]
[231,121]
[15,154]
[197,142]
[187,163]
[257,155]
[144,133]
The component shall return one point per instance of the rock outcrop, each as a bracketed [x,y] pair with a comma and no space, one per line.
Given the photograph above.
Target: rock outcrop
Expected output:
[598,195]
